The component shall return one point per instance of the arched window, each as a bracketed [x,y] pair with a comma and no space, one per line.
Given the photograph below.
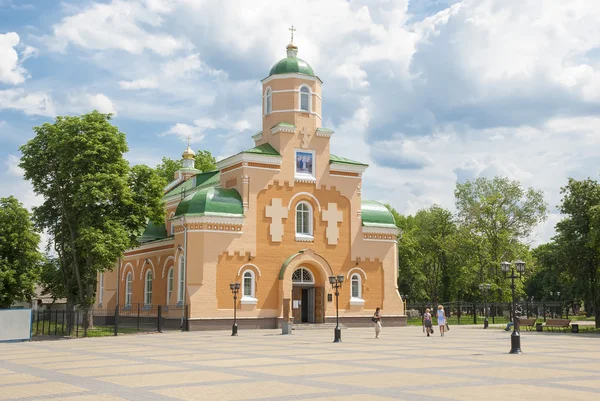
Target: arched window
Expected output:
[148,288]
[303,220]
[305,98]
[181,279]
[101,290]
[249,287]
[128,289]
[268,101]
[356,286]
[302,276]
[170,283]
[172,229]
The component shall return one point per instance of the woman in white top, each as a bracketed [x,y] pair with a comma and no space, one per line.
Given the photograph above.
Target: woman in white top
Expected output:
[441,318]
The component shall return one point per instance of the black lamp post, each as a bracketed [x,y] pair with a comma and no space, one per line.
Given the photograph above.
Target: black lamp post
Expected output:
[484,288]
[519,267]
[235,288]
[336,282]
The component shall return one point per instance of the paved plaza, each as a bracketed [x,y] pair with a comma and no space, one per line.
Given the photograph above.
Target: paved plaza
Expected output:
[467,364]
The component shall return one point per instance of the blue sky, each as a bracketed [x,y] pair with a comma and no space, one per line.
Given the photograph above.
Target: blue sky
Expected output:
[427,92]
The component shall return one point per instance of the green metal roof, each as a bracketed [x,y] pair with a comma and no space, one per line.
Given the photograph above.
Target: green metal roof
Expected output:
[212,201]
[343,160]
[374,214]
[265,149]
[153,232]
[282,124]
[292,65]
[202,180]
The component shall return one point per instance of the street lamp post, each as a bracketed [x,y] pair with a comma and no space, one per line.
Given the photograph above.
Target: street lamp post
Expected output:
[235,288]
[336,282]
[484,288]
[519,267]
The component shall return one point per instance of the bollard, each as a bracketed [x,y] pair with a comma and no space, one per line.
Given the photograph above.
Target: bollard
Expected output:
[159,319]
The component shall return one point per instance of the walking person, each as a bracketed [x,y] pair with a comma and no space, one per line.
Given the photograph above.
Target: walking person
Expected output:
[427,321]
[377,321]
[441,318]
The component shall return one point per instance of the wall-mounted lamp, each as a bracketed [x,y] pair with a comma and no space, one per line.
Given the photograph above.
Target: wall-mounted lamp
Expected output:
[179,247]
[147,261]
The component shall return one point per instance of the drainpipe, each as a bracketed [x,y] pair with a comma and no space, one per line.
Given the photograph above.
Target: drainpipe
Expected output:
[118,280]
[185,269]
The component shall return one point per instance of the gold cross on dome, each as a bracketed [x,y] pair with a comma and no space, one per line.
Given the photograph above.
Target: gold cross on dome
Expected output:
[189,138]
[292,30]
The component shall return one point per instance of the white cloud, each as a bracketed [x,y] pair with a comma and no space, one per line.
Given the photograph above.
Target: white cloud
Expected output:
[147,83]
[195,133]
[101,103]
[12,166]
[34,103]
[11,71]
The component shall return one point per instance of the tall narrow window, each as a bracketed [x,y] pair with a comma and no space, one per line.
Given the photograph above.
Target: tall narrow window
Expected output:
[304,98]
[356,288]
[303,219]
[128,289]
[172,229]
[148,288]
[181,280]
[248,284]
[170,282]
[268,101]
[101,289]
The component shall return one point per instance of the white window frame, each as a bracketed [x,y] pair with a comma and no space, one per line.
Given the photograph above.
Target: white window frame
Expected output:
[249,299]
[359,299]
[128,289]
[101,289]
[170,284]
[148,288]
[303,236]
[309,97]
[302,269]
[181,280]
[172,229]
[268,103]
[302,175]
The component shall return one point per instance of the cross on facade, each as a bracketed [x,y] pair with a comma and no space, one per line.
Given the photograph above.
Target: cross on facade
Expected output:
[304,138]
[277,212]
[292,30]
[332,216]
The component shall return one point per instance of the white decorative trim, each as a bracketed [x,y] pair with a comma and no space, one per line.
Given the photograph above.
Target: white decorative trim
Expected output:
[304,238]
[253,167]
[305,176]
[248,157]
[345,176]
[323,133]
[356,268]
[380,230]
[296,91]
[347,168]
[165,265]
[283,128]
[249,265]
[125,269]
[306,180]
[248,301]
[291,75]
[310,103]
[381,240]
[357,301]
[217,219]
[142,270]
[258,136]
[297,111]
[213,231]
[307,194]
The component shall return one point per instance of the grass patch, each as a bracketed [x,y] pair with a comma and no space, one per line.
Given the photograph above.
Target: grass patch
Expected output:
[465,320]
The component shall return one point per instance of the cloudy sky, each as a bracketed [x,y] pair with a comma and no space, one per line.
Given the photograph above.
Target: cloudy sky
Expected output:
[428,92]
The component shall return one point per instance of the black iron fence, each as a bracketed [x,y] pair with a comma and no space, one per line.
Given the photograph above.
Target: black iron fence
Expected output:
[497,312]
[96,322]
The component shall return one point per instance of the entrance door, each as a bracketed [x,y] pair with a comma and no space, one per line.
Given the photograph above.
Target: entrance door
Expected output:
[296,304]
[310,303]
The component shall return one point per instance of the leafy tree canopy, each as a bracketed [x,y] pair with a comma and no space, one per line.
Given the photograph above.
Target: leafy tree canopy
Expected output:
[20,260]
[204,162]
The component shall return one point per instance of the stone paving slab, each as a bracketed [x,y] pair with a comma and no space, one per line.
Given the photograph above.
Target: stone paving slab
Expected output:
[467,364]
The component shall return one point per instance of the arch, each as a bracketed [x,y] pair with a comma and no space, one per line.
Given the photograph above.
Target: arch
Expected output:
[268,100]
[170,283]
[305,98]
[125,270]
[248,277]
[309,256]
[303,275]
[304,219]
[149,262]
[356,286]
[148,284]
[249,265]
[165,265]
[359,269]
[307,194]
[129,288]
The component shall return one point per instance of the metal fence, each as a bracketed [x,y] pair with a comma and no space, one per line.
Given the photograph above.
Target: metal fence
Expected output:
[501,312]
[98,322]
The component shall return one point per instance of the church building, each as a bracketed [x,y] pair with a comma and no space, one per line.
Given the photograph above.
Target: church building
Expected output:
[279,219]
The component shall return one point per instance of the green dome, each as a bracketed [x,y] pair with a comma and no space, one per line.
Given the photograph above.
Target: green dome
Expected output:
[292,65]
[374,214]
[212,201]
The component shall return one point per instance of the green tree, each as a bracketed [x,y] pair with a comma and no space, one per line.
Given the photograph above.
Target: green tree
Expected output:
[94,202]
[204,162]
[502,215]
[577,235]
[20,259]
